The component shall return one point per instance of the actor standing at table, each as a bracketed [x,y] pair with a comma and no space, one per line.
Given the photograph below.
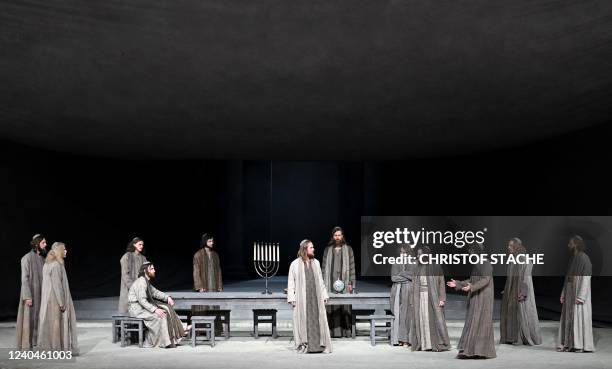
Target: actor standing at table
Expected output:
[29,302]
[206,267]
[339,264]
[401,299]
[130,262]
[207,276]
[164,328]
[519,316]
[307,295]
[576,328]
[57,329]
[428,332]
[477,340]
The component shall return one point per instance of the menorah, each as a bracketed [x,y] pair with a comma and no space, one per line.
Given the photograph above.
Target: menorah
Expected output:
[265,259]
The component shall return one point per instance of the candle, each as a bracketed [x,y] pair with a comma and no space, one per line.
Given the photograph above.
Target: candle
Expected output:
[254,252]
[277,252]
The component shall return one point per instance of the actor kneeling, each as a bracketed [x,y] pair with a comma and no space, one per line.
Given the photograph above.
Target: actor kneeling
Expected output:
[307,294]
[164,328]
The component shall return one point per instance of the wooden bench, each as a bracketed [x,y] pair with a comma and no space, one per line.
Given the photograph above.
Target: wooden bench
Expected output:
[354,320]
[203,323]
[223,316]
[264,316]
[373,319]
[124,325]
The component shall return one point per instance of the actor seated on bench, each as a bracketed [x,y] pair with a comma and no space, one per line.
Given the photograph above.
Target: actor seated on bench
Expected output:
[164,328]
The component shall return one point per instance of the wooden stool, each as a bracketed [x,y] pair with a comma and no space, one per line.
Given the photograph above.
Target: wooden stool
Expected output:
[264,316]
[373,319]
[203,323]
[354,320]
[129,324]
[116,326]
[223,316]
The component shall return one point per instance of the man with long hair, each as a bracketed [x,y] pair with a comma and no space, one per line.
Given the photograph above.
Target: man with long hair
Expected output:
[57,327]
[339,270]
[207,276]
[130,262]
[164,328]
[576,326]
[307,295]
[29,301]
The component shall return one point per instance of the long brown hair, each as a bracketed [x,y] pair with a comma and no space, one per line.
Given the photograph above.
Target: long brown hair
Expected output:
[130,246]
[36,240]
[303,252]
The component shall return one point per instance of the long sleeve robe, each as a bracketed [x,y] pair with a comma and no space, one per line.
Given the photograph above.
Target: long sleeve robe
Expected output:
[519,319]
[477,339]
[57,329]
[576,325]
[207,271]
[339,265]
[130,266]
[400,300]
[144,299]
[296,293]
[429,331]
[27,316]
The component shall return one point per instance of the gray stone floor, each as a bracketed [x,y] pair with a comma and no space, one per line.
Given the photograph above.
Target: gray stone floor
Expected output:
[242,351]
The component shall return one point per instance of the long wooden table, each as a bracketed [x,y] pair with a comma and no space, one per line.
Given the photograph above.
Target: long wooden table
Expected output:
[248,300]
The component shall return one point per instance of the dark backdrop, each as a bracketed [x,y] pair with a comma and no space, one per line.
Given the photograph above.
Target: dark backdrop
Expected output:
[97,205]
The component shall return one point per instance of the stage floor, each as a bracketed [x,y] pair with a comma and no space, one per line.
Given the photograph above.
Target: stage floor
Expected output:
[242,351]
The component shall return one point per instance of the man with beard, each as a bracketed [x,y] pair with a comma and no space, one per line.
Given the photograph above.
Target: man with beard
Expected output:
[519,316]
[576,328]
[29,302]
[130,266]
[57,329]
[477,340]
[164,328]
[307,295]
[207,276]
[339,271]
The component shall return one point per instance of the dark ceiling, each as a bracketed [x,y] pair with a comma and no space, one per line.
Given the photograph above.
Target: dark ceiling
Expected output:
[300,79]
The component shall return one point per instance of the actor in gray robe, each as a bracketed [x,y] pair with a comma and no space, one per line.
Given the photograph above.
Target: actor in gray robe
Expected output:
[307,294]
[339,264]
[477,340]
[164,328]
[130,262]
[576,326]
[400,300]
[29,301]
[57,329]
[429,331]
[519,322]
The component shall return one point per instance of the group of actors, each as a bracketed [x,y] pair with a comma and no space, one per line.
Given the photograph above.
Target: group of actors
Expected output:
[46,317]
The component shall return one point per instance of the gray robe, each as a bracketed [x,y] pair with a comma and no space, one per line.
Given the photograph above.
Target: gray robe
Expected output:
[130,266]
[429,331]
[400,300]
[144,299]
[519,322]
[341,266]
[477,338]
[27,316]
[576,326]
[56,329]
[297,293]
